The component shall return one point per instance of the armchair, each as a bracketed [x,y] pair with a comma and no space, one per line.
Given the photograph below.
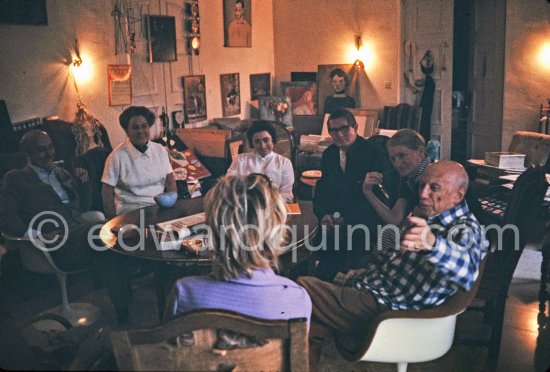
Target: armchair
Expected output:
[410,336]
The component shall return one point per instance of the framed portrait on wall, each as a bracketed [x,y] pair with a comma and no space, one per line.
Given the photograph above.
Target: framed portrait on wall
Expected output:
[338,91]
[231,94]
[260,85]
[194,98]
[237,23]
[303,96]
[161,40]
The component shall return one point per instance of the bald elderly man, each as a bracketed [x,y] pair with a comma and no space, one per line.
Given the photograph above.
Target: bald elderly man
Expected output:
[438,263]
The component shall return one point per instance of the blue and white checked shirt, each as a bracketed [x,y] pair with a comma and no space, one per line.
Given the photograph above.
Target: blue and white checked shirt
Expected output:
[405,280]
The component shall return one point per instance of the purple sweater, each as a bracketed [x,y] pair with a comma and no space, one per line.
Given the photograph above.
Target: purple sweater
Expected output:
[265,295]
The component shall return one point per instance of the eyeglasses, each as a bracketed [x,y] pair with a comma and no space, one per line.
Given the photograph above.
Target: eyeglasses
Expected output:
[344,129]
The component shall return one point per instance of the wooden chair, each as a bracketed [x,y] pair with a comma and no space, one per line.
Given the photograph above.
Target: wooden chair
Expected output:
[522,207]
[401,116]
[410,336]
[286,143]
[190,342]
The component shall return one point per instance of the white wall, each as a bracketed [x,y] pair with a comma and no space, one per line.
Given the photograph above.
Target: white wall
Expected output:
[309,33]
[34,78]
[526,79]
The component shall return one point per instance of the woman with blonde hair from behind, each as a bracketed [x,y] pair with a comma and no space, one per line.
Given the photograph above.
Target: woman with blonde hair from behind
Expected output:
[246,216]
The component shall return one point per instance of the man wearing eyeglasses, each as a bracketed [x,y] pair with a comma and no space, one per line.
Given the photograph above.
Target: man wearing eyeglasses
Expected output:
[339,202]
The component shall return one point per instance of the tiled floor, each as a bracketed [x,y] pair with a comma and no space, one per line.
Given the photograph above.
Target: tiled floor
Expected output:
[523,348]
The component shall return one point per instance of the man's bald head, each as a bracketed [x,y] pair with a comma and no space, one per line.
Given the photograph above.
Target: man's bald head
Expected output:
[38,147]
[443,185]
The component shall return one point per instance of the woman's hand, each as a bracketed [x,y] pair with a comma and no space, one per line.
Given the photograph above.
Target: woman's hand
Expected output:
[371,179]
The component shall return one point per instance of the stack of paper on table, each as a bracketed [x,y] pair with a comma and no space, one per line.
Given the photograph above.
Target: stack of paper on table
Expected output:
[178,229]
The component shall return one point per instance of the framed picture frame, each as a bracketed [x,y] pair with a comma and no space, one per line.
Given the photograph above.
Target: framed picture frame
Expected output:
[24,12]
[303,76]
[303,96]
[237,23]
[260,85]
[161,38]
[178,119]
[276,108]
[194,98]
[231,94]
[326,87]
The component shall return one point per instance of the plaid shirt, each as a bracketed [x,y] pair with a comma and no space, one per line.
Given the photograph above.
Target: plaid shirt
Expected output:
[405,280]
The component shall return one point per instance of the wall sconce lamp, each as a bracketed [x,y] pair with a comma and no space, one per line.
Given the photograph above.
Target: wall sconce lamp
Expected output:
[358,43]
[77,60]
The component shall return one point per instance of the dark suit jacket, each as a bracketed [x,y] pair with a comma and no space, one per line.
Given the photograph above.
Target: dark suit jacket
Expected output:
[338,191]
[24,195]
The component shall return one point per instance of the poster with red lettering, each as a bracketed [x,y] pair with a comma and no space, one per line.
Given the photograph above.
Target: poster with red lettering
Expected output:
[120,85]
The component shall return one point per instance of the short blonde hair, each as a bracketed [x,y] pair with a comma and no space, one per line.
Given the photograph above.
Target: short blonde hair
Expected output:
[247,216]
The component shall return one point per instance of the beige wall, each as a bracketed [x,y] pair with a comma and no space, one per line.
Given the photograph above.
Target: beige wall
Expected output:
[526,79]
[313,32]
[34,79]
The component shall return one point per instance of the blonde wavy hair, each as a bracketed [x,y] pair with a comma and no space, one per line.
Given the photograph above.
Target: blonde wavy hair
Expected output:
[247,216]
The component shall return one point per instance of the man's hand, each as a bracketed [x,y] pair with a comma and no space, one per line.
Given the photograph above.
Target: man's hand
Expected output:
[346,279]
[82,174]
[331,220]
[416,235]
[371,179]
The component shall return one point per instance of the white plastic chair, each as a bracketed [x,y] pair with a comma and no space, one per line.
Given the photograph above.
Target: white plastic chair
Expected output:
[410,336]
[39,260]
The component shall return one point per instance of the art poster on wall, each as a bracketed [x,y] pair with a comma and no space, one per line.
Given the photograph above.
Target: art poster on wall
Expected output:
[119,85]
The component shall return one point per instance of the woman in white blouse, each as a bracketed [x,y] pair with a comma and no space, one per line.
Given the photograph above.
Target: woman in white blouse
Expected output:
[261,136]
[137,169]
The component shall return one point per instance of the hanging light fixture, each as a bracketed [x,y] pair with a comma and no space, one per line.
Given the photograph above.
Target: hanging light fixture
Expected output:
[193,27]
[358,43]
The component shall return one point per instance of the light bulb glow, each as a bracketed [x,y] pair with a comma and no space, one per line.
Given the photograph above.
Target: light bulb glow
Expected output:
[544,56]
[195,43]
[364,54]
[82,72]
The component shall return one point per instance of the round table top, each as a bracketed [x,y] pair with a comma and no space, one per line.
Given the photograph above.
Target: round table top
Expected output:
[136,239]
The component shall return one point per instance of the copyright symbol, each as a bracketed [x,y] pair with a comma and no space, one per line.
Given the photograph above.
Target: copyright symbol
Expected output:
[42,220]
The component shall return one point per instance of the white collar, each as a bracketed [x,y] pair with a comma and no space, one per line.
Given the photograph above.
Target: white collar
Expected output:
[267,157]
[135,153]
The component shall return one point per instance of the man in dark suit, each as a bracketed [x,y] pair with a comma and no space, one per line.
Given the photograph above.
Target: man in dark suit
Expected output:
[40,201]
[339,202]
[43,191]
